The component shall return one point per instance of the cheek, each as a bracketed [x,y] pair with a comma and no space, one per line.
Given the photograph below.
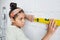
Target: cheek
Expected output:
[20,23]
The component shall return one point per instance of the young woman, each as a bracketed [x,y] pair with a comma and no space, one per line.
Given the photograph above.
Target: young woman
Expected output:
[18,16]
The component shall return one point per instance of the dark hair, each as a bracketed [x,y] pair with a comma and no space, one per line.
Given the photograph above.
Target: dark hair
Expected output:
[13,6]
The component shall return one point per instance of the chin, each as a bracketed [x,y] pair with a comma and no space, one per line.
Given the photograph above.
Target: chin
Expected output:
[22,26]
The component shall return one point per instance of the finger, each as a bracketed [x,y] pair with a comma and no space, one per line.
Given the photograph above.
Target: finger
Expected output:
[55,25]
[51,23]
[32,18]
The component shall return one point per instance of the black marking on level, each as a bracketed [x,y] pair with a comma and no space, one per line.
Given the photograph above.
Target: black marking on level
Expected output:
[37,19]
[46,19]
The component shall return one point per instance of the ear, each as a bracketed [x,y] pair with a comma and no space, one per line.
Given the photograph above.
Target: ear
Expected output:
[12,20]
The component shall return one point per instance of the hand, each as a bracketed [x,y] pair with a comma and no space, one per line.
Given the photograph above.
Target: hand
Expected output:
[51,27]
[50,30]
[30,17]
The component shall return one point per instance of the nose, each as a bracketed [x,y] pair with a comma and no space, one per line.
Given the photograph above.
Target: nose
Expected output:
[23,20]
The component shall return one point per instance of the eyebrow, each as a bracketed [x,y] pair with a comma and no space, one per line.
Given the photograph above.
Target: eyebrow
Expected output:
[22,18]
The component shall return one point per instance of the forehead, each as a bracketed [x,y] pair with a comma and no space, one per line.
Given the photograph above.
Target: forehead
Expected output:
[21,15]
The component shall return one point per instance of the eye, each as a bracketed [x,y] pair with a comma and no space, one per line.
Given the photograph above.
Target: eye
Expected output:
[24,17]
[20,18]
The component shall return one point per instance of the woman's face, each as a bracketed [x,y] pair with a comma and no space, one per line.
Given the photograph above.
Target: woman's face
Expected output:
[20,20]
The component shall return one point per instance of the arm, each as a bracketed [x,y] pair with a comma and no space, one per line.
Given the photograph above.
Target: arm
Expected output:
[50,30]
[30,18]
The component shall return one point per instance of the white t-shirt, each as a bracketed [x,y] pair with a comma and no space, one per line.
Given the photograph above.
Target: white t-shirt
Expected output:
[15,33]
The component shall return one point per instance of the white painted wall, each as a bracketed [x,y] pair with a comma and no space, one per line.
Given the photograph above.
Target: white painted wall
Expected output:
[38,8]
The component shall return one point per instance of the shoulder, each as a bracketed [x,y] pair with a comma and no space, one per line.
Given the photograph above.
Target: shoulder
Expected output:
[11,29]
[14,29]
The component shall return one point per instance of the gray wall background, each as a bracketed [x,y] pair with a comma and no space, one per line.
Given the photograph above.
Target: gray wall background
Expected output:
[38,8]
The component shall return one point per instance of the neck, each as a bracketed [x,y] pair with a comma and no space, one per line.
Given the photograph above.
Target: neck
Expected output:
[15,25]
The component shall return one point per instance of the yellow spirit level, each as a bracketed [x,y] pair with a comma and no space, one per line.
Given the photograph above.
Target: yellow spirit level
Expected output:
[46,21]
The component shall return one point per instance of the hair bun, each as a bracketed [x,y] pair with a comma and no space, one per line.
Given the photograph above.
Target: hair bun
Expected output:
[13,6]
